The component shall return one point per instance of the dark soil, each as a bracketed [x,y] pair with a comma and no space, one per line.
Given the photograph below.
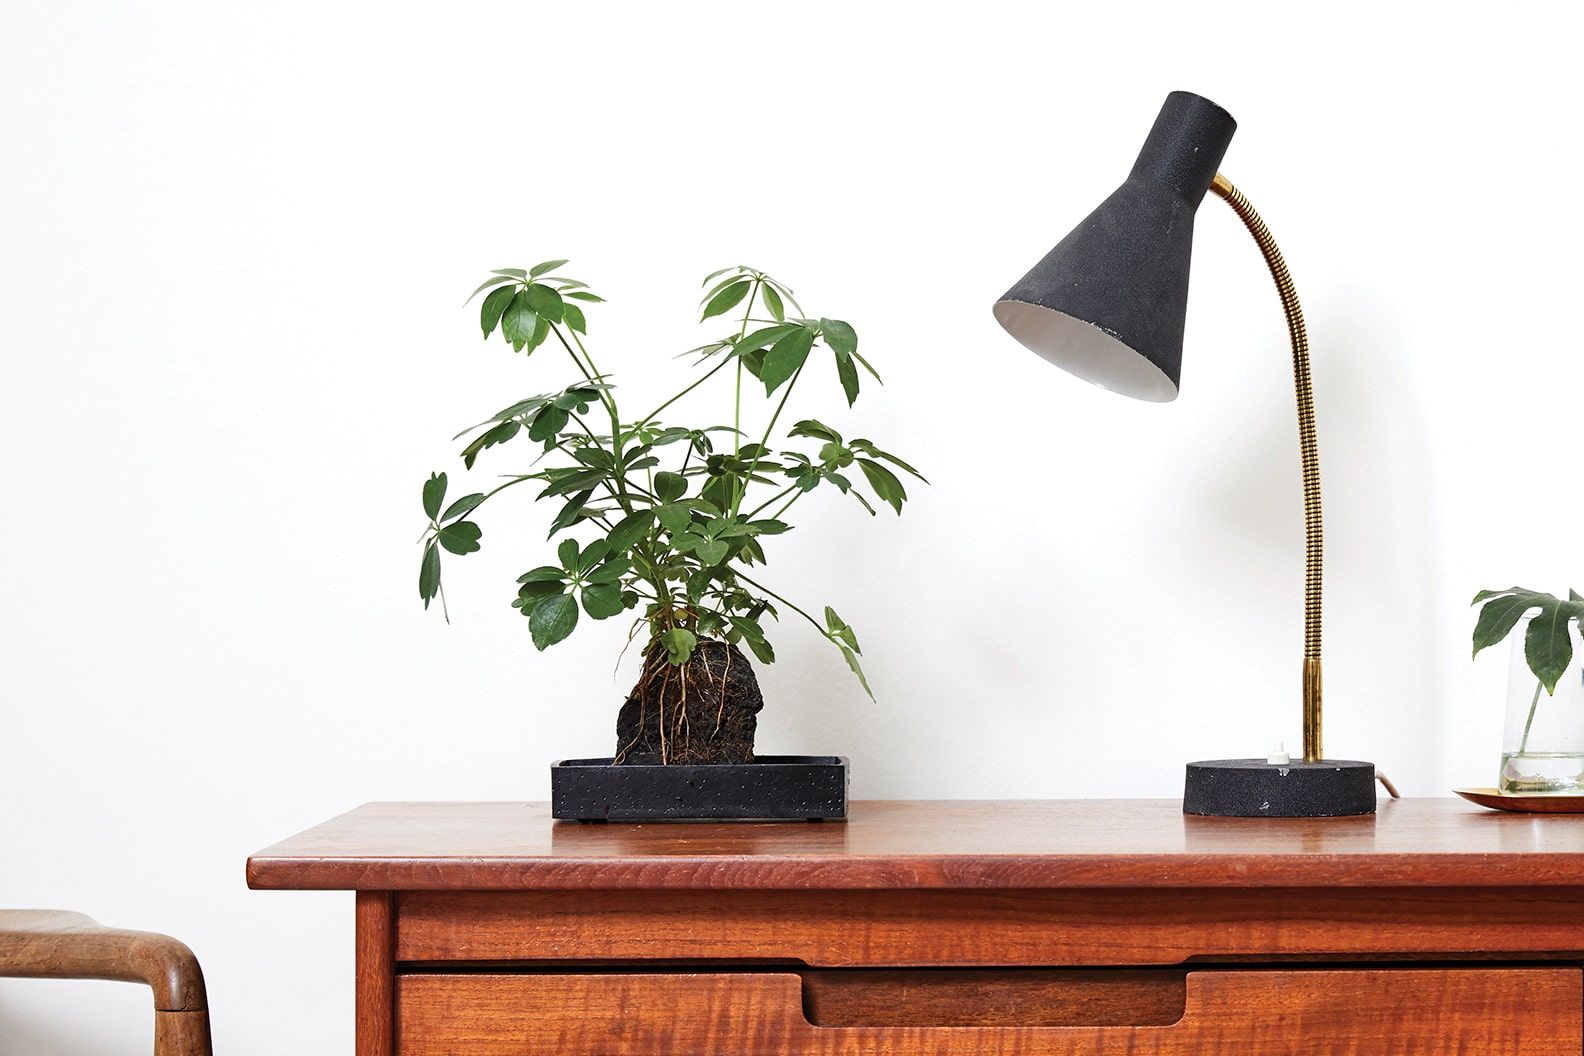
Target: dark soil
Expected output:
[702,712]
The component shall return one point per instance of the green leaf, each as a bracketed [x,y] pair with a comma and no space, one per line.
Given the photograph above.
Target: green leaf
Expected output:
[1548,644]
[760,338]
[518,321]
[461,537]
[532,403]
[817,430]
[674,519]
[727,299]
[585,295]
[466,504]
[770,527]
[567,554]
[592,555]
[758,646]
[494,280]
[434,494]
[670,486]
[884,482]
[679,643]
[611,571]
[494,306]
[573,512]
[543,574]
[516,273]
[839,627]
[541,330]
[499,434]
[721,285]
[772,301]
[574,317]
[848,375]
[629,530]
[529,593]
[712,551]
[552,619]
[567,482]
[429,574]
[785,357]
[602,601]
[857,669]
[839,336]
[869,449]
[540,269]
[548,423]
[544,301]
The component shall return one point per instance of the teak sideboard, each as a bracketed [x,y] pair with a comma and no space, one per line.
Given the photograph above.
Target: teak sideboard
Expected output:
[1053,928]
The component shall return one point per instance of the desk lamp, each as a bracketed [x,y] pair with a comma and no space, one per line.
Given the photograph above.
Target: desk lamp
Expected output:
[1108,305]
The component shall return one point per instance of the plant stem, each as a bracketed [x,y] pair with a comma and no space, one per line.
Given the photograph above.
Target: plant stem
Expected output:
[753,466]
[1533,704]
[742,332]
[652,414]
[591,372]
[777,515]
[754,583]
[771,500]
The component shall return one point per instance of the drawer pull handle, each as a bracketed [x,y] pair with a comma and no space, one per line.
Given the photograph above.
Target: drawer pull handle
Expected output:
[1009,997]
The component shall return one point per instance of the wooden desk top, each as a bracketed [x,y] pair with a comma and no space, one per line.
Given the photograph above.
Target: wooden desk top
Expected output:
[919,844]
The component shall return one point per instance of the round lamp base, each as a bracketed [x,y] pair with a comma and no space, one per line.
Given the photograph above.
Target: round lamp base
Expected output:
[1254,788]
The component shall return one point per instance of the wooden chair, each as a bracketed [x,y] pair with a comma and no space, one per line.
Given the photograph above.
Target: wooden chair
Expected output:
[51,944]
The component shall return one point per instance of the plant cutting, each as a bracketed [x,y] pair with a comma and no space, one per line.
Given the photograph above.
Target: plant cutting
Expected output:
[1534,761]
[663,522]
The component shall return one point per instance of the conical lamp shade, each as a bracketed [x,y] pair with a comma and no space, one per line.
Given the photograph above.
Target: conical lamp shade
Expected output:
[1108,304]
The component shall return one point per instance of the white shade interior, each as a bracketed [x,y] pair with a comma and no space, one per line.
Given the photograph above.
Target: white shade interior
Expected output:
[1085,351]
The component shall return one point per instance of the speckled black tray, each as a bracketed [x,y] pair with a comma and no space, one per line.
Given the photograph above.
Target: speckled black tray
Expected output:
[771,788]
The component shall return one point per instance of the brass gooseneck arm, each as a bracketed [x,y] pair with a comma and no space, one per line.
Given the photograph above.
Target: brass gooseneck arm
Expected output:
[1314,542]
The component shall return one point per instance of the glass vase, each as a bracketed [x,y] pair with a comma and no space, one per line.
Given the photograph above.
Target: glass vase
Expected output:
[1543,746]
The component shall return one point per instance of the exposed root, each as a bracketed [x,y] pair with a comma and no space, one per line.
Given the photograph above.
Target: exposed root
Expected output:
[667,716]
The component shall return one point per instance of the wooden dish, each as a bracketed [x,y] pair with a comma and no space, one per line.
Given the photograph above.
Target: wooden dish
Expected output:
[1541,804]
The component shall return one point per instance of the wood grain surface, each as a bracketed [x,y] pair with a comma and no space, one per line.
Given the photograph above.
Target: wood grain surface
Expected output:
[946,844]
[1406,1012]
[1096,926]
[58,944]
[375,968]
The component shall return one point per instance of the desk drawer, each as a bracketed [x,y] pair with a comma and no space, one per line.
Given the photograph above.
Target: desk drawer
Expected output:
[1400,1012]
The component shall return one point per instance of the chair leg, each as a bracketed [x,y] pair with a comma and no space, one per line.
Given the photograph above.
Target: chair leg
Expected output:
[181,1034]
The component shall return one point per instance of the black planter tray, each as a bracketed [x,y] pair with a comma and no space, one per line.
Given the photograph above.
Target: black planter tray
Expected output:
[771,788]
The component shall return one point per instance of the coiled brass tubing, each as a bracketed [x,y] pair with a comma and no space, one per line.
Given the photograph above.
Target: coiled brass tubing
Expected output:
[1314,543]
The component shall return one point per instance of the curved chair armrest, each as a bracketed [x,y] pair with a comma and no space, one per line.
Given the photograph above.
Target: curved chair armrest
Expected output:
[53,944]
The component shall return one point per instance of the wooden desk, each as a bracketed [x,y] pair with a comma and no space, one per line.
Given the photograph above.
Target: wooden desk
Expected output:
[957,928]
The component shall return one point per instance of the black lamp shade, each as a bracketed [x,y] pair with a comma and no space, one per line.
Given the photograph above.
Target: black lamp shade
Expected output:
[1108,304]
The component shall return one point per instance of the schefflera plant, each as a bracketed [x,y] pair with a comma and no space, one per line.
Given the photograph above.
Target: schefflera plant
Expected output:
[664,521]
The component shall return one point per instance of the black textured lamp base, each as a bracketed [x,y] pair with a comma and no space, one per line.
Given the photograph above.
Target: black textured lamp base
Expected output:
[1254,788]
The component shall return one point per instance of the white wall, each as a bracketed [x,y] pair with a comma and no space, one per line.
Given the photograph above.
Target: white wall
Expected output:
[237,237]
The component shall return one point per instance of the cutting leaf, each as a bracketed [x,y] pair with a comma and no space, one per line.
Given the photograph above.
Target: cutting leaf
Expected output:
[1548,643]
